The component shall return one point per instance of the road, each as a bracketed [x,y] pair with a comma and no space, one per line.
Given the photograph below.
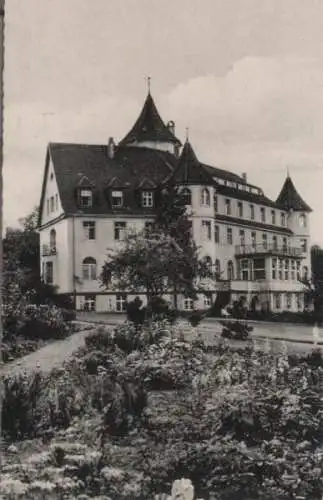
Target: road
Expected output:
[298,340]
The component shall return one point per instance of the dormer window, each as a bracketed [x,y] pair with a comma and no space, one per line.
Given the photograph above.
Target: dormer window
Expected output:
[147,199]
[186,196]
[86,198]
[117,198]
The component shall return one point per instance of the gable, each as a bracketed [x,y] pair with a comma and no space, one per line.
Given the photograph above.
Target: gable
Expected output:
[50,205]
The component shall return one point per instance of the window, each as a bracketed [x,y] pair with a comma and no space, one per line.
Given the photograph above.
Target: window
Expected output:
[288,300]
[253,240]
[47,206]
[89,230]
[89,269]
[262,214]
[89,303]
[259,269]
[56,201]
[148,228]
[215,202]
[187,196]
[120,230]
[147,199]
[86,198]
[205,197]
[275,242]
[274,269]
[52,206]
[277,300]
[229,236]
[252,212]
[273,217]
[230,271]
[228,207]
[286,269]
[217,268]
[216,234]
[299,301]
[293,271]
[305,272]
[302,220]
[117,198]
[282,219]
[208,263]
[49,273]
[298,270]
[207,301]
[240,209]
[304,245]
[284,244]
[242,237]
[188,304]
[264,241]
[206,230]
[121,302]
[52,240]
[51,176]
[245,270]
[280,269]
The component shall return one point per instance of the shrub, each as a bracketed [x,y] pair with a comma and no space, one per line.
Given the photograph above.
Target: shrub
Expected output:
[100,339]
[135,312]
[195,318]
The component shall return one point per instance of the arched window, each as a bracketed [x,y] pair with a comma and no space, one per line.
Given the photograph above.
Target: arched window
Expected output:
[187,196]
[205,197]
[52,239]
[302,220]
[230,271]
[89,268]
[208,263]
[217,268]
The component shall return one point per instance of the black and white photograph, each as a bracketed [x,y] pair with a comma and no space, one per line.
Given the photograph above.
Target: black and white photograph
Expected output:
[161,255]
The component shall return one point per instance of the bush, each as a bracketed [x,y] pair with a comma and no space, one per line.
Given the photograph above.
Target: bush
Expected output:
[135,312]
[100,339]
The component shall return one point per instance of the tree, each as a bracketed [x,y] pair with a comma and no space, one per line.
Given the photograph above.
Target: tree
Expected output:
[163,260]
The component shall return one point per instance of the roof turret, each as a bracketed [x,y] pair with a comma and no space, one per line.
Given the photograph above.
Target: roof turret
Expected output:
[290,199]
[150,127]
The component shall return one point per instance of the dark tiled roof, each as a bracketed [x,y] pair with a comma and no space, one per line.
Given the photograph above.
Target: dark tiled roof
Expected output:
[252,224]
[260,199]
[189,170]
[290,199]
[149,127]
[131,169]
[223,174]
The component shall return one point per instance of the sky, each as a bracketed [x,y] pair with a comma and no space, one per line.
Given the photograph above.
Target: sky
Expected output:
[246,78]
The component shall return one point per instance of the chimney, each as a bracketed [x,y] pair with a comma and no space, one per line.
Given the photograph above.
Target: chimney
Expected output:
[171,126]
[244,177]
[111,147]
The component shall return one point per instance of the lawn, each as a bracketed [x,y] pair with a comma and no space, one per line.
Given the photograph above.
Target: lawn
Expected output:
[131,413]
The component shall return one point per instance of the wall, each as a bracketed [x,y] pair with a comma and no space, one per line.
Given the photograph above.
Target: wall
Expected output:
[51,190]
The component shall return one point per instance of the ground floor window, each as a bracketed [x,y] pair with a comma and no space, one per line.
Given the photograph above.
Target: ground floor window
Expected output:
[259,269]
[207,301]
[299,300]
[277,301]
[274,269]
[288,300]
[121,302]
[89,303]
[188,304]
[49,273]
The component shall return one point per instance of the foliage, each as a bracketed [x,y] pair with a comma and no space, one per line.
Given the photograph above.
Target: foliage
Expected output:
[237,423]
[237,330]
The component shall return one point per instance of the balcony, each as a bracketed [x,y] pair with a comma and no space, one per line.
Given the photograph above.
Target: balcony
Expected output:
[280,251]
[48,250]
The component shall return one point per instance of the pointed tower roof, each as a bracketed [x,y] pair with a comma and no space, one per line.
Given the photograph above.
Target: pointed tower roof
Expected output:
[189,169]
[290,199]
[149,127]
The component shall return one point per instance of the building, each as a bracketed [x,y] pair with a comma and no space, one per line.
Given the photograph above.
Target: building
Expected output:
[92,194]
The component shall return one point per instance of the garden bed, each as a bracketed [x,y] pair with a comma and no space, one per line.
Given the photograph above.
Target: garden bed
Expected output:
[239,424]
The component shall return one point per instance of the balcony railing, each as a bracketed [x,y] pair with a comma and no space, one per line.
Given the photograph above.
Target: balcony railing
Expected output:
[269,250]
[48,250]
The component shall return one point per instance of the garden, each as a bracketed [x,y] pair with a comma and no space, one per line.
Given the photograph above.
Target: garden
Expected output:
[140,412]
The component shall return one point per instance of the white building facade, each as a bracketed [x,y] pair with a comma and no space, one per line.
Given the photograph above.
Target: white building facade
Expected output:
[92,195]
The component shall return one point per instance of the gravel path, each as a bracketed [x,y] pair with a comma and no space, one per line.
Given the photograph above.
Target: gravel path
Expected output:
[48,357]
